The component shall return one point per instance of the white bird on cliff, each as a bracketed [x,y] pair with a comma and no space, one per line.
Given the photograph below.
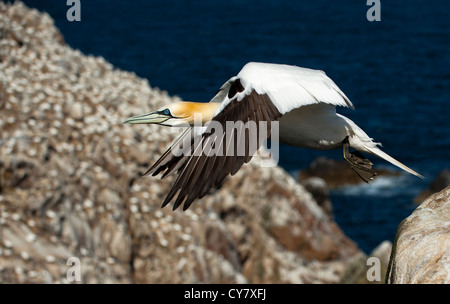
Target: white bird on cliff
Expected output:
[302,100]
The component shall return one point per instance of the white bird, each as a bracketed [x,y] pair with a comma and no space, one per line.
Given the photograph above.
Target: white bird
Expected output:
[301,99]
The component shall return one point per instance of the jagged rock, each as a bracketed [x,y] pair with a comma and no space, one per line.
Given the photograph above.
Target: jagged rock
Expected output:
[421,250]
[71,185]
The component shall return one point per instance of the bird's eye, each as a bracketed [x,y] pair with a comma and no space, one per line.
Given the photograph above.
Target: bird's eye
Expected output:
[166,112]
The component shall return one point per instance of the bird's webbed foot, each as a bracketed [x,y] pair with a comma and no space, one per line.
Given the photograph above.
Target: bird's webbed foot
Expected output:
[361,165]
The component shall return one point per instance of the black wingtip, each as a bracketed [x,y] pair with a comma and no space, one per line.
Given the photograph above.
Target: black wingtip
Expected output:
[177,204]
[164,204]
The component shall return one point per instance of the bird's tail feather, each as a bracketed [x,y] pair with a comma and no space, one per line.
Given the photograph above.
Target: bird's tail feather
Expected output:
[381,154]
[360,141]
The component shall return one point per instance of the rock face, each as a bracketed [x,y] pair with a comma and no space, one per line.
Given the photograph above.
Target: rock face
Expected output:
[71,186]
[421,250]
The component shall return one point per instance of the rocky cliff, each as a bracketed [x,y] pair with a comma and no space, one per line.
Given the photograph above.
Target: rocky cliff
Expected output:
[71,186]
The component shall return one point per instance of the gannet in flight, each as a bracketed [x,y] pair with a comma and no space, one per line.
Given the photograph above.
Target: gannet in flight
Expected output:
[302,101]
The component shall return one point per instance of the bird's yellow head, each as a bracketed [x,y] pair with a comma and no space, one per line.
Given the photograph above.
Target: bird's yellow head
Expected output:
[177,114]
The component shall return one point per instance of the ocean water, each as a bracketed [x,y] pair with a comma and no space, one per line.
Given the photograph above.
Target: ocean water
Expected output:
[396,72]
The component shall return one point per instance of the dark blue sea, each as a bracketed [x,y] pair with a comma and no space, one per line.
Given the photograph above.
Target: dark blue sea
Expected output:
[396,72]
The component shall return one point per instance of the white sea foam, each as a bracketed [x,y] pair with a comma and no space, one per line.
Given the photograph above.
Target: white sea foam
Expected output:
[382,186]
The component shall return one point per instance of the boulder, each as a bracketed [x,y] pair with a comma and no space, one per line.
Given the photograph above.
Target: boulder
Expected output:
[336,173]
[421,250]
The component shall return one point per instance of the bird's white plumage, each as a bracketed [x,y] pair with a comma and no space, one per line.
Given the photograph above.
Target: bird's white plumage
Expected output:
[287,86]
[301,95]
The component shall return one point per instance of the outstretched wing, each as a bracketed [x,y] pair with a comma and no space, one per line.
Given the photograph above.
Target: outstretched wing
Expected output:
[259,93]
[288,87]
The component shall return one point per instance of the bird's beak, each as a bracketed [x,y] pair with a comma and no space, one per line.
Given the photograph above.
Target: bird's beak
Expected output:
[150,118]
